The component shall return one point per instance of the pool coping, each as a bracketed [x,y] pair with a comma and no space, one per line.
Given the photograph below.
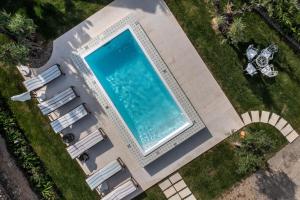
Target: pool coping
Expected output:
[163,72]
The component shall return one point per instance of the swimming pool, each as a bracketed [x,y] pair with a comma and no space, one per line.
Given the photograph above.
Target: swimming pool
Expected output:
[138,93]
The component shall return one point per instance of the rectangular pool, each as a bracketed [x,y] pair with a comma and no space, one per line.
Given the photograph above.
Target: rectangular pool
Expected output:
[137,92]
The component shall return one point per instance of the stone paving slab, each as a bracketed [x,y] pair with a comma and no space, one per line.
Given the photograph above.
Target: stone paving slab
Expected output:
[264,117]
[246,118]
[175,178]
[175,197]
[180,185]
[292,136]
[185,192]
[255,116]
[165,184]
[286,130]
[281,123]
[273,119]
[170,192]
[191,197]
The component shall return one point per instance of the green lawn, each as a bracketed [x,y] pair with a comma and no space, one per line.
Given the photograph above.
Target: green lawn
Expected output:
[226,63]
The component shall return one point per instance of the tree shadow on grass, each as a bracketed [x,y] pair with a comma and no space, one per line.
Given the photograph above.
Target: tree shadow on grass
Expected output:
[275,185]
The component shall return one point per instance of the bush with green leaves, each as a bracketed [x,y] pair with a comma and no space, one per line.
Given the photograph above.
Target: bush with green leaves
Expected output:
[253,150]
[26,158]
[19,30]
[13,53]
[236,31]
[286,12]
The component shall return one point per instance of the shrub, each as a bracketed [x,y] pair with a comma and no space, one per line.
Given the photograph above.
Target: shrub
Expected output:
[253,150]
[236,31]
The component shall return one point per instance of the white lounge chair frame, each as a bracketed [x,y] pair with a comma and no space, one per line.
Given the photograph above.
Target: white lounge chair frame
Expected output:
[105,173]
[86,143]
[122,190]
[44,78]
[57,101]
[69,118]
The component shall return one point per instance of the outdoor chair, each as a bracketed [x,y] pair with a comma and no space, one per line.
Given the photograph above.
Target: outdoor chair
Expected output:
[105,173]
[267,53]
[121,191]
[42,79]
[69,118]
[57,101]
[269,71]
[250,69]
[251,52]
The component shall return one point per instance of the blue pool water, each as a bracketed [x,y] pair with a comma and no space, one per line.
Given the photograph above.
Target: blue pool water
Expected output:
[136,90]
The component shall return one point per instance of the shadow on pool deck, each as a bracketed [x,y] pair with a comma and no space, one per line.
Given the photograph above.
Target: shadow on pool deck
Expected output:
[180,151]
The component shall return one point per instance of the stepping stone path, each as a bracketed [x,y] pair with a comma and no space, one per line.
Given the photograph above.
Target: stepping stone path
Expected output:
[273,119]
[174,188]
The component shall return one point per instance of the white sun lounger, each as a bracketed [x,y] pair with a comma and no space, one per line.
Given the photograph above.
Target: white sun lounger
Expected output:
[121,191]
[42,79]
[69,118]
[57,101]
[86,143]
[105,173]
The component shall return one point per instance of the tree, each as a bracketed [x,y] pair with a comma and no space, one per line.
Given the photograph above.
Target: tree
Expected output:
[236,31]
[13,53]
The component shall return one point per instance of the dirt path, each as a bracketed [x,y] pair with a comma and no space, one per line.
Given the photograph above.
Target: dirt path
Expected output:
[282,182]
[13,184]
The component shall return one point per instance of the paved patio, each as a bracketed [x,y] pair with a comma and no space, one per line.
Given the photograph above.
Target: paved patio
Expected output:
[184,63]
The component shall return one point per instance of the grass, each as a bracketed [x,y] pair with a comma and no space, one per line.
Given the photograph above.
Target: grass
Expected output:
[225,62]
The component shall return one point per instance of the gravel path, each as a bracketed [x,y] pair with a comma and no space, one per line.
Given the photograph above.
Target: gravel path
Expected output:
[13,184]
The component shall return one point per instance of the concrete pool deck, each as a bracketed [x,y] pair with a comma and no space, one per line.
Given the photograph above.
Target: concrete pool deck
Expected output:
[185,64]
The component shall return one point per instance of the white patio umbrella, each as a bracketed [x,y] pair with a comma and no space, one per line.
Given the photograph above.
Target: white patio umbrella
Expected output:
[21,97]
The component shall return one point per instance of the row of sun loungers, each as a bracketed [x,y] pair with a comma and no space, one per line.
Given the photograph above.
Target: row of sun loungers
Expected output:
[99,177]
[86,143]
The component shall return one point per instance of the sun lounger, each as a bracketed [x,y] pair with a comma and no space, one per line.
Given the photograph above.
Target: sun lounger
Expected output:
[86,143]
[121,191]
[57,101]
[105,173]
[69,118]
[42,79]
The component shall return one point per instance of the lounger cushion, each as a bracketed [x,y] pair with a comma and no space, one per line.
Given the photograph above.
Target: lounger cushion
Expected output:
[86,143]
[121,191]
[103,174]
[69,119]
[57,101]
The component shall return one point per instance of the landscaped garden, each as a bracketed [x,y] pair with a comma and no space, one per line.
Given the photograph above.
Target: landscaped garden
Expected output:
[226,62]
